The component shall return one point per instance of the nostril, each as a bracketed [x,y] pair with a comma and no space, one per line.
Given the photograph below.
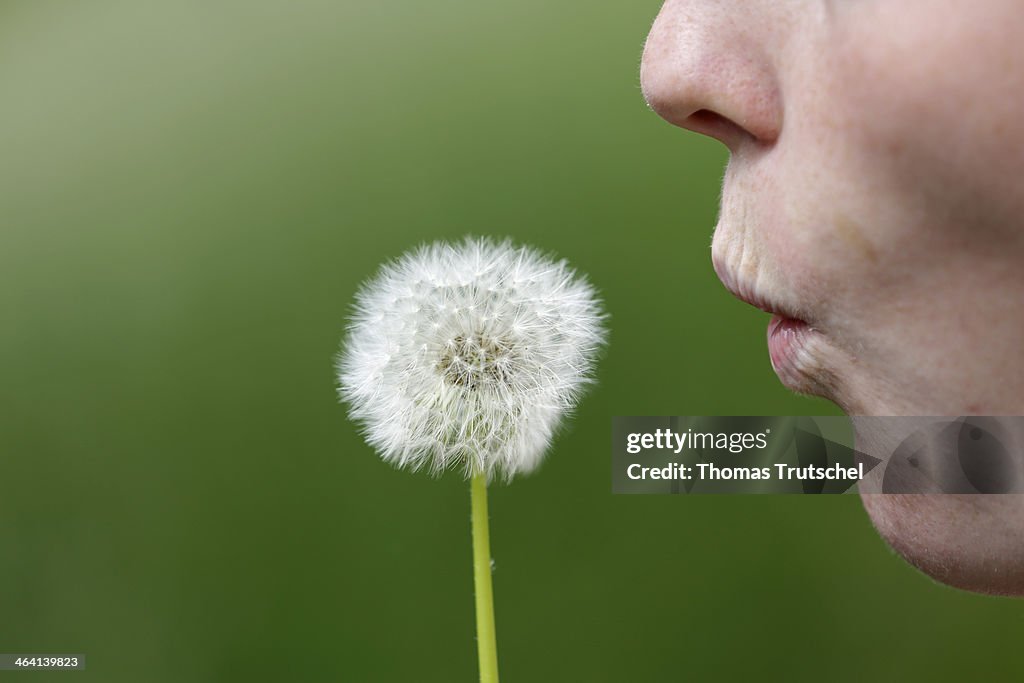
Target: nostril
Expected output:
[713,124]
[707,117]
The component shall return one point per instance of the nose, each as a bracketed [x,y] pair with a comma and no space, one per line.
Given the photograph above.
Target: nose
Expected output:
[706,68]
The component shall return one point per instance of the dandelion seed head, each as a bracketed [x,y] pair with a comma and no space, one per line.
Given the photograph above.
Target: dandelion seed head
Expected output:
[469,356]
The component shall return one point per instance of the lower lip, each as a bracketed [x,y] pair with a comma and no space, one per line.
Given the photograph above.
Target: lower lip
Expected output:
[786,337]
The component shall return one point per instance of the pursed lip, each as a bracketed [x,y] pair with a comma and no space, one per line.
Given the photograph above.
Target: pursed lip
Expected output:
[789,334]
[748,294]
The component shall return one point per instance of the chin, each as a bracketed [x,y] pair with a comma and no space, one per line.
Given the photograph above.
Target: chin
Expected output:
[971,542]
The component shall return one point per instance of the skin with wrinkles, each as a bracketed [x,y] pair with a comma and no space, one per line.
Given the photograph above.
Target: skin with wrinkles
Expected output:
[875,190]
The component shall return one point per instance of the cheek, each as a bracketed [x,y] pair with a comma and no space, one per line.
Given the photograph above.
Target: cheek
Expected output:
[926,115]
[899,168]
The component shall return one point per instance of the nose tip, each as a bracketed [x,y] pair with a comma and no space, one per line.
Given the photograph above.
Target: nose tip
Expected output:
[708,76]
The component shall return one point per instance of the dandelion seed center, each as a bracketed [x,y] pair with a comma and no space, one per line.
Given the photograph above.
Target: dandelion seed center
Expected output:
[476,360]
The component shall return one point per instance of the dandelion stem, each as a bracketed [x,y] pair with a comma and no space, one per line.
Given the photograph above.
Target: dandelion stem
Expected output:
[486,640]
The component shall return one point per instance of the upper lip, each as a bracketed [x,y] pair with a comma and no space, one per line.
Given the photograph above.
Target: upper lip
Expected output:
[742,290]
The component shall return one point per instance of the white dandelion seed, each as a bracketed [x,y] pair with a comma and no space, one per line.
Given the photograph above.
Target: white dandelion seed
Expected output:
[469,355]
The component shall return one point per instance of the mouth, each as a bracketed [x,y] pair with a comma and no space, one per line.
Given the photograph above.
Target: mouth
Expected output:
[789,334]
[787,345]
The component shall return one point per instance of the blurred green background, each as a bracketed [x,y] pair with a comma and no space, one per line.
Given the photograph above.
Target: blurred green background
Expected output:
[191,193]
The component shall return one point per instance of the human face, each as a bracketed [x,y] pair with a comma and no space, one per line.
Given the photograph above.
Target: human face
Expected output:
[874,201]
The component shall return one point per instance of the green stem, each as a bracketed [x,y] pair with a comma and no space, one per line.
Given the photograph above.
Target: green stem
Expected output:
[486,640]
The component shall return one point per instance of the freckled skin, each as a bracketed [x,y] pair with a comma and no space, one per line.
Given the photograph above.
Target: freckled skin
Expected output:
[875,189]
